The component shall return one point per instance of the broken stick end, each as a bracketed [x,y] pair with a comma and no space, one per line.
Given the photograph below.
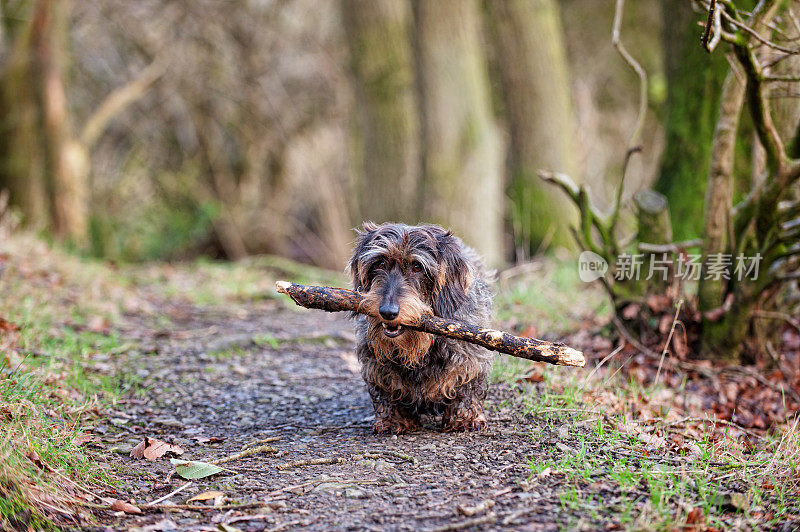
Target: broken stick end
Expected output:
[283,286]
[573,357]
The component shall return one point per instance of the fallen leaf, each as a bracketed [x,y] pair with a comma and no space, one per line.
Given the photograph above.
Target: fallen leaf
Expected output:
[191,470]
[631,311]
[658,303]
[734,501]
[7,326]
[33,456]
[212,439]
[82,439]
[665,323]
[98,324]
[122,506]
[206,495]
[534,376]
[153,449]
[695,516]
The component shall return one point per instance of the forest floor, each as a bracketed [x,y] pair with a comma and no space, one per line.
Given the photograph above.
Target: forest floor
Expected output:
[203,362]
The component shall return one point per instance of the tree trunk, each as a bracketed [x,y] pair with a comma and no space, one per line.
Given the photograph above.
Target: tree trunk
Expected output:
[45,168]
[694,81]
[65,167]
[462,150]
[388,132]
[21,157]
[654,226]
[532,60]
[719,191]
[785,104]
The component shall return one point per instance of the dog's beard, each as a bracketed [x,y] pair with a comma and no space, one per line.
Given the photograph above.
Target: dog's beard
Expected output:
[408,349]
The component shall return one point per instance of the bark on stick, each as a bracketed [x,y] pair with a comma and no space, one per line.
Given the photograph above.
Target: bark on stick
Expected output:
[342,300]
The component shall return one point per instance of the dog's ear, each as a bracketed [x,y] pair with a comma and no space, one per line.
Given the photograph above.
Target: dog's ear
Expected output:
[364,238]
[453,279]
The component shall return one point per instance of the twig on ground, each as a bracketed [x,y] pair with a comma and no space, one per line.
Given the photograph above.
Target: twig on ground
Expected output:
[310,461]
[467,523]
[261,442]
[598,366]
[168,495]
[319,481]
[669,339]
[198,508]
[286,524]
[396,454]
[714,421]
[779,316]
[245,453]
[634,342]
[258,517]
[674,460]
[711,374]
[83,488]
[509,519]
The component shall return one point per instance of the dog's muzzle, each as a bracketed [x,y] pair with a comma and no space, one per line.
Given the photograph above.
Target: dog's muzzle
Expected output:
[393,331]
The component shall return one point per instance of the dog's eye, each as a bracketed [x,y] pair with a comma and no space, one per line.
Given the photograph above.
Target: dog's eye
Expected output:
[381,264]
[416,267]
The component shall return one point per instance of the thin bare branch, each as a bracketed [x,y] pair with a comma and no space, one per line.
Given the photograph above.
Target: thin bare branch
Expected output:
[759,108]
[634,140]
[789,79]
[118,100]
[758,37]
[714,20]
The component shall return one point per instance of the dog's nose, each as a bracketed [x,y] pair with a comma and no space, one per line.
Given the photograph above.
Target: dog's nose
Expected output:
[389,311]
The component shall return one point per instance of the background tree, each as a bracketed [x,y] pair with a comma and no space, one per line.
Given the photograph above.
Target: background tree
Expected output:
[43,169]
[694,81]
[536,92]
[387,138]
[751,249]
[462,150]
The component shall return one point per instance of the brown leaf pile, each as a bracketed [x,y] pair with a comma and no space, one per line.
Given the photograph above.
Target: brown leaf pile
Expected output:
[757,397]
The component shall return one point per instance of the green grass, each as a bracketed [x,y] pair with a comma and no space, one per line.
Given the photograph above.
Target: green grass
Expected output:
[52,381]
[649,493]
[652,494]
[551,297]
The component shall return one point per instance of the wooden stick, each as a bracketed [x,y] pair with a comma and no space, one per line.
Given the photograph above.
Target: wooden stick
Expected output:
[342,300]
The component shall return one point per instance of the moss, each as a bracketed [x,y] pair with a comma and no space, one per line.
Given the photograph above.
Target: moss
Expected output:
[694,83]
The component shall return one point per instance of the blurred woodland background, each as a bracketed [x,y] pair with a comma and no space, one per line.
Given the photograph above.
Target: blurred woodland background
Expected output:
[170,128]
[167,129]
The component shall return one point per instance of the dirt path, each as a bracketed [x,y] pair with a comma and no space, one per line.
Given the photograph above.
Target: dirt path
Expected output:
[266,371]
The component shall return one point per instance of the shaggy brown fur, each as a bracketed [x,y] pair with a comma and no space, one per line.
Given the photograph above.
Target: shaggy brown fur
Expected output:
[404,272]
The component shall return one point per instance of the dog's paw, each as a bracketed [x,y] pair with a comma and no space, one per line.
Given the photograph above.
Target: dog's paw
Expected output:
[466,420]
[395,425]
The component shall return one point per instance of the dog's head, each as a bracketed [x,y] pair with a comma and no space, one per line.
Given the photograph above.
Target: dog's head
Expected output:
[405,272]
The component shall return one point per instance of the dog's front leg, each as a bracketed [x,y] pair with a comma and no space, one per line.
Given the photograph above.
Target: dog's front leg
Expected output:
[465,412]
[391,417]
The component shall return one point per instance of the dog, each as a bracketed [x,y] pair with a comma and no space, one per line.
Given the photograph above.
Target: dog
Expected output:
[404,272]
